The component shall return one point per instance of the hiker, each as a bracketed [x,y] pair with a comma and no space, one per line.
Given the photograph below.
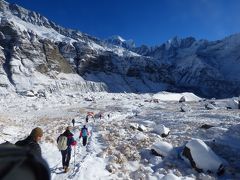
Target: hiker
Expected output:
[84,133]
[87,119]
[31,142]
[65,141]
[18,162]
[100,116]
[108,116]
[73,122]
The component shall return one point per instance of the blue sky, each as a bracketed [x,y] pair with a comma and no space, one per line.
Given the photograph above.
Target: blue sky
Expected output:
[148,22]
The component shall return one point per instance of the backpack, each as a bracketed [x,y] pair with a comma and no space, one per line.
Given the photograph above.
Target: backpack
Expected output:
[62,143]
[84,132]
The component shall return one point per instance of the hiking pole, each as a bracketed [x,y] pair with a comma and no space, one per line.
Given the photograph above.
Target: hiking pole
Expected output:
[74,156]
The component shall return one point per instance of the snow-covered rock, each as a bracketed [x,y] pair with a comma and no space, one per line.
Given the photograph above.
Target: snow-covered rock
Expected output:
[201,157]
[29,93]
[185,108]
[233,104]
[209,106]
[162,148]
[140,137]
[133,125]
[141,127]
[161,130]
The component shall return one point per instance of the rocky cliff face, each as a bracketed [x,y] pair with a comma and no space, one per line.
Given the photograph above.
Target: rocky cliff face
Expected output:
[35,54]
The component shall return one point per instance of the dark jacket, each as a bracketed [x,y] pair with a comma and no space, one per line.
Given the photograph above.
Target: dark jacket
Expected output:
[30,144]
[70,140]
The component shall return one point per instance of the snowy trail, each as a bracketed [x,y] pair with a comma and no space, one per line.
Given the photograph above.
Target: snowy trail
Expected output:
[76,162]
[85,159]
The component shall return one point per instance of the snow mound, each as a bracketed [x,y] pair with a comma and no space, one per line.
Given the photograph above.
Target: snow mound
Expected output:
[167,96]
[201,157]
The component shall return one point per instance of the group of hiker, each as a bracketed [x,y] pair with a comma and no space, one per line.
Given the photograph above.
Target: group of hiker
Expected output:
[66,140]
[30,148]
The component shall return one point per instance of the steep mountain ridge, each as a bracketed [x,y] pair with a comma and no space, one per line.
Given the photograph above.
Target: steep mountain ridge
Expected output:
[37,54]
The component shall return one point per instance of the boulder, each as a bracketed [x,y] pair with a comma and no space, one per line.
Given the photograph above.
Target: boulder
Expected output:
[88,99]
[201,157]
[185,108]
[209,106]
[29,93]
[133,126]
[182,99]
[206,126]
[233,104]
[161,148]
[162,130]
[142,128]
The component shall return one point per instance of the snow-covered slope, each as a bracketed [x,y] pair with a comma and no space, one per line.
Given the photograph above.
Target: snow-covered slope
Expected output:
[34,50]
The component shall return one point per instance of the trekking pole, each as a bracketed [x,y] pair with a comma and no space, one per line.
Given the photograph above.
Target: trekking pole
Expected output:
[74,157]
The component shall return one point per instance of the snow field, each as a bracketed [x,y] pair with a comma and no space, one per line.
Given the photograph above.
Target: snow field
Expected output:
[116,150]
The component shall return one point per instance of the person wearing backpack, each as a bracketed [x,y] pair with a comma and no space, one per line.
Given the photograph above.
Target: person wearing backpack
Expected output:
[31,142]
[65,141]
[73,122]
[84,133]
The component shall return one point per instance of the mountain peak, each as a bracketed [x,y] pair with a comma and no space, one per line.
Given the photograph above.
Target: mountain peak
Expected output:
[117,37]
[119,41]
[180,42]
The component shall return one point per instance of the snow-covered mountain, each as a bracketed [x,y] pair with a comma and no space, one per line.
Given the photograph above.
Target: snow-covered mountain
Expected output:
[36,54]
[119,41]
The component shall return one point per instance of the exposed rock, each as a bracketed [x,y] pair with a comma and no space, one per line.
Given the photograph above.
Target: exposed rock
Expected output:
[182,99]
[206,126]
[111,168]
